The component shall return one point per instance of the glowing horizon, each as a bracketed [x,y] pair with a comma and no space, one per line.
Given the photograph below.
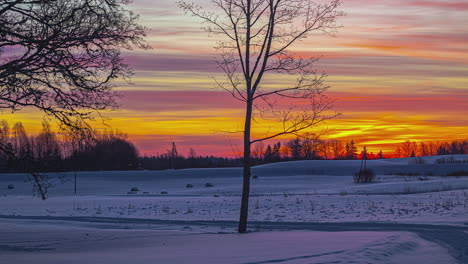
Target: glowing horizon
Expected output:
[398,70]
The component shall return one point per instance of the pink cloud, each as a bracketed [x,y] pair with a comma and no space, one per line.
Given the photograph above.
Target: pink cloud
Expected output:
[437,104]
[154,101]
[438,4]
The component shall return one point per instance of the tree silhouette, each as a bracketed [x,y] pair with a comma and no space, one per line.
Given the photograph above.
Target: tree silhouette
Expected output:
[256,37]
[61,56]
[337,148]
[351,151]
[296,148]
[174,155]
[381,156]
[268,157]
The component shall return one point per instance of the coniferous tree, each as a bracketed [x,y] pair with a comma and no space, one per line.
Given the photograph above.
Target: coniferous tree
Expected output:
[268,157]
[276,153]
[351,151]
[381,156]
[296,149]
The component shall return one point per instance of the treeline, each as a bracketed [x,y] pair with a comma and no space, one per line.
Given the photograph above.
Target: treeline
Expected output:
[49,151]
[172,160]
[164,162]
[304,148]
[310,148]
[431,148]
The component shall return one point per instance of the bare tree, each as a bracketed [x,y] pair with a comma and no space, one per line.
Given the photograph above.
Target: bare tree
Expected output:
[5,145]
[408,148]
[259,150]
[423,149]
[4,141]
[256,37]
[192,154]
[32,155]
[45,155]
[47,148]
[337,148]
[21,144]
[399,152]
[432,148]
[60,56]
[324,149]
[312,145]
[4,132]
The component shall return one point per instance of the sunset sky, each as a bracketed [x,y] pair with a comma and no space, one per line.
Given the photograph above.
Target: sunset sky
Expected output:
[398,70]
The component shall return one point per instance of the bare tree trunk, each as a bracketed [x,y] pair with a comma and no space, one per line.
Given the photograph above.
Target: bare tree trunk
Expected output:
[40,188]
[244,211]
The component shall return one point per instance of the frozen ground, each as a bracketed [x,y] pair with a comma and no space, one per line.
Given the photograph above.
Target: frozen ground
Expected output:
[398,219]
[58,243]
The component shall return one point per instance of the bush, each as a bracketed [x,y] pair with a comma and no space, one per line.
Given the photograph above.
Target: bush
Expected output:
[11,186]
[364,176]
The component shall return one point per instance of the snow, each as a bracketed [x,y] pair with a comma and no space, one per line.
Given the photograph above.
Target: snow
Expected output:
[59,244]
[285,196]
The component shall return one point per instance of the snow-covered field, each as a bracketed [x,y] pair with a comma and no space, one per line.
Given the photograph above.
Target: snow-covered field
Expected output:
[301,212]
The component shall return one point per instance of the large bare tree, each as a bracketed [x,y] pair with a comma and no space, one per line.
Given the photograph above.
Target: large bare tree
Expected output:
[256,41]
[61,56]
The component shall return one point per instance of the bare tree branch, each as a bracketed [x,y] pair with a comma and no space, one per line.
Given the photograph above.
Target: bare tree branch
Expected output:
[62,55]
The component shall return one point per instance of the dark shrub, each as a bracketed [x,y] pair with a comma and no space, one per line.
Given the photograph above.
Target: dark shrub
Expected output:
[364,176]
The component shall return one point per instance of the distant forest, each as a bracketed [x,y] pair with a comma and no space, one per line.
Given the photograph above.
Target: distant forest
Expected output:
[109,150]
